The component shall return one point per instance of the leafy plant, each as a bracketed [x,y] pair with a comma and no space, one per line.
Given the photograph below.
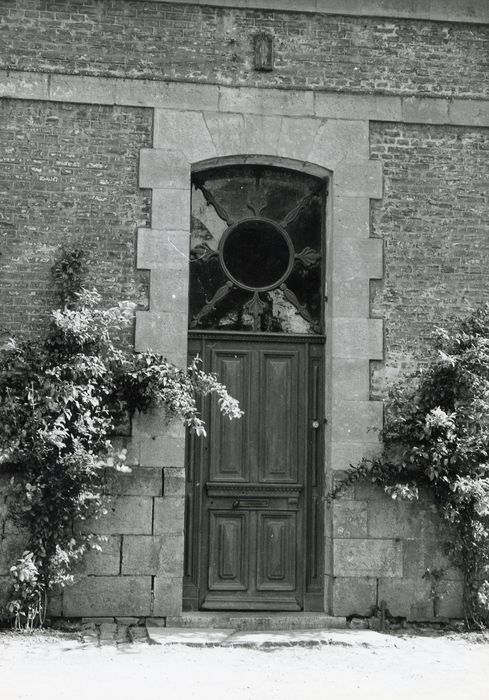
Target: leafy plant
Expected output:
[436,439]
[61,399]
[27,606]
[69,273]
[435,577]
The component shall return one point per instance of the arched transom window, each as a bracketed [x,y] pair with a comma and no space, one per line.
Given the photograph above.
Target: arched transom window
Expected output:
[257,254]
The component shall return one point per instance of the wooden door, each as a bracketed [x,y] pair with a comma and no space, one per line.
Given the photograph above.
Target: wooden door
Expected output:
[254,485]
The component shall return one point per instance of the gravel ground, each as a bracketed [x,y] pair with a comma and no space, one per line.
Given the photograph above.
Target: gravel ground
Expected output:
[54,665]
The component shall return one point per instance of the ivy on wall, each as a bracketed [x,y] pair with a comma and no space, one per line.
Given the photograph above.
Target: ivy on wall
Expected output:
[436,439]
[61,399]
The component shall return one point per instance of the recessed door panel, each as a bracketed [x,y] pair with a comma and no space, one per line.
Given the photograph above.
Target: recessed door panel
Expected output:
[228,438]
[228,551]
[276,554]
[279,416]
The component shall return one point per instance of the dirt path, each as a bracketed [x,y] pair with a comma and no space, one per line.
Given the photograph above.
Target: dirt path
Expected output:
[416,667]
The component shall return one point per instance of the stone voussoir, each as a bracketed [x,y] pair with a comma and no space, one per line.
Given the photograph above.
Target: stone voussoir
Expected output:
[227,132]
[183,130]
[297,137]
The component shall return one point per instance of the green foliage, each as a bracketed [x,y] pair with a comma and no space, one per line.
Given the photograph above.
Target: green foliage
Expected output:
[436,438]
[61,399]
[69,273]
[27,607]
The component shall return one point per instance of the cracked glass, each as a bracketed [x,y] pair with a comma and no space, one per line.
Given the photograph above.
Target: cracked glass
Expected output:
[256,250]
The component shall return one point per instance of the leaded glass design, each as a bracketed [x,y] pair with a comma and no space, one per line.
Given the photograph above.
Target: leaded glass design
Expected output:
[256,252]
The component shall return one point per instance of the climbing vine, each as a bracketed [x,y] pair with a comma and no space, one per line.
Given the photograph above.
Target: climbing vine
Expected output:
[436,439]
[61,399]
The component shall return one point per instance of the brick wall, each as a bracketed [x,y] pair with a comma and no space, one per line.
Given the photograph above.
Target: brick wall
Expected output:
[68,176]
[161,40]
[433,220]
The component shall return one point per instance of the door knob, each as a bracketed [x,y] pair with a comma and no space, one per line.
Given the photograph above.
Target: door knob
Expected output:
[315,424]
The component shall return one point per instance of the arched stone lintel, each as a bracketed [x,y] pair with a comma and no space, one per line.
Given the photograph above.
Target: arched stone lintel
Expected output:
[264,159]
[206,135]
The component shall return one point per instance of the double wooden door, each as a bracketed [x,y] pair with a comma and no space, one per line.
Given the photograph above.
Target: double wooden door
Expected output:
[253,510]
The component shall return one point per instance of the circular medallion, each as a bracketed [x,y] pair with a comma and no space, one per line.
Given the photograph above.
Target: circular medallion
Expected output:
[256,254]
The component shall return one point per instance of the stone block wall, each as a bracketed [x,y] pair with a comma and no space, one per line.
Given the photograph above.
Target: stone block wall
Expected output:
[382,550]
[139,571]
[141,563]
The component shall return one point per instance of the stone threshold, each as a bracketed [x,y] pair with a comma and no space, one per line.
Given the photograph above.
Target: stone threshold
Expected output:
[266,639]
[255,621]
[248,630]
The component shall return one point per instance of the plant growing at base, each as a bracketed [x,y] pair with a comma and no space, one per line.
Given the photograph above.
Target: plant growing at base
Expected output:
[436,440]
[61,399]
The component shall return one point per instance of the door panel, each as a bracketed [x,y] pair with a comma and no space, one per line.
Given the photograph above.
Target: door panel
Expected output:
[253,497]
[276,555]
[228,552]
[230,439]
[279,411]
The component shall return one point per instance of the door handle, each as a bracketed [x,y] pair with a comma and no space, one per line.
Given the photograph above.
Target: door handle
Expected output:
[315,424]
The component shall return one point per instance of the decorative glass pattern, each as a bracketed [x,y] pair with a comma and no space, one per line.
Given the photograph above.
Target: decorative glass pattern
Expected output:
[256,253]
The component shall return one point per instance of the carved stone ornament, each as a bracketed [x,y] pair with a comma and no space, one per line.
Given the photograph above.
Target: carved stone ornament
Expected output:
[263,51]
